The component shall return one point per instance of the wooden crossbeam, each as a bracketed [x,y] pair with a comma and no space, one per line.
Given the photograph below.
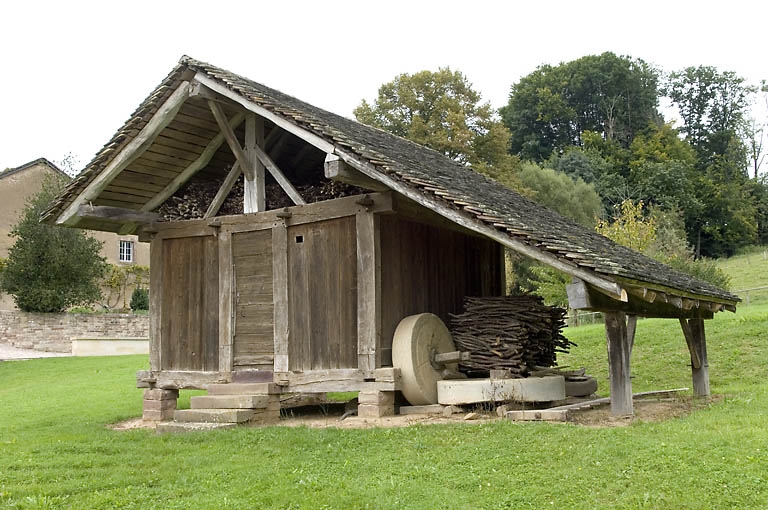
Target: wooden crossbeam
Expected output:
[275,171]
[117,214]
[695,361]
[193,168]
[229,136]
[135,148]
[254,198]
[223,192]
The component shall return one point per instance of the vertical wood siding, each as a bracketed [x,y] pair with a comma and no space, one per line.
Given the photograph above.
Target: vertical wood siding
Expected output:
[322,282]
[189,310]
[431,269]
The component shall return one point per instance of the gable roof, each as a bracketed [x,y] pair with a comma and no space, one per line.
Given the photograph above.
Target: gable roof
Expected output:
[32,164]
[451,189]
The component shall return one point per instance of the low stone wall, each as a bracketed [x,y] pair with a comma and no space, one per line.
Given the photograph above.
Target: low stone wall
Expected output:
[53,332]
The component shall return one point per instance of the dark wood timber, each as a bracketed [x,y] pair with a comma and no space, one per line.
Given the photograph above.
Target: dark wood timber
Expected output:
[618,360]
[700,374]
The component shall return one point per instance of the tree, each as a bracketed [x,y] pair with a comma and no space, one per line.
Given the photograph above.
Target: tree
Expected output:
[50,269]
[440,110]
[550,109]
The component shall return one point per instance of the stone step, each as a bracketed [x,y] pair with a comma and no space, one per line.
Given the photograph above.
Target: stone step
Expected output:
[176,427]
[243,389]
[213,415]
[229,402]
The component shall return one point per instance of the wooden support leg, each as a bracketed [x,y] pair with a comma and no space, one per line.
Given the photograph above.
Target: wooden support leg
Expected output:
[375,404]
[159,405]
[618,361]
[700,374]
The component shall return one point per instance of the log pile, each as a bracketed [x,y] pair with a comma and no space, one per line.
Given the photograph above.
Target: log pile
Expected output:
[513,333]
[193,199]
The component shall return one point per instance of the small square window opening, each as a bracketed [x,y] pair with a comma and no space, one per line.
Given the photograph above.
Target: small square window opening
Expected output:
[126,251]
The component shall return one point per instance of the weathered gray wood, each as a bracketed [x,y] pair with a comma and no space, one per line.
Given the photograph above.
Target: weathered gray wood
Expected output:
[226,302]
[181,379]
[701,374]
[278,120]
[117,214]
[317,381]
[254,198]
[368,291]
[230,137]
[194,167]
[337,170]
[466,220]
[618,360]
[135,148]
[631,329]
[279,176]
[223,192]
[691,342]
[155,305]
[280,295]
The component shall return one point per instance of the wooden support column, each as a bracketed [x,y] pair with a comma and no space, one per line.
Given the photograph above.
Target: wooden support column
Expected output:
[368,291]
[280,295]
[253,190]
[701,373]
[618,361]
[155,304]
[226,302]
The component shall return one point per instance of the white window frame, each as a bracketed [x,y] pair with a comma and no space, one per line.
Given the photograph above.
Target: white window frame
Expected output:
[125,251]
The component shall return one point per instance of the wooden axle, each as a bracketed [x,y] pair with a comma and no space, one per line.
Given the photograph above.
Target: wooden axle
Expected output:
[449,357]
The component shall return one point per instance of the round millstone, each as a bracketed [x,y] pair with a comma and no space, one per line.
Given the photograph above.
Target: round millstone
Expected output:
[417,339]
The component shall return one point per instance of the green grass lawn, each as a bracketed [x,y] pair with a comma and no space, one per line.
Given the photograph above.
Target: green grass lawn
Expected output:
[56,451]
[748,271]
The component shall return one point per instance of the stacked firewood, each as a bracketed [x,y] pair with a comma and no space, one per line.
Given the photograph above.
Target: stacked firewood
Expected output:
[513,333]
[193,199]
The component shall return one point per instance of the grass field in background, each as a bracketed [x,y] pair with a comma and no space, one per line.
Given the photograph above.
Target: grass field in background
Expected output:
[56,451]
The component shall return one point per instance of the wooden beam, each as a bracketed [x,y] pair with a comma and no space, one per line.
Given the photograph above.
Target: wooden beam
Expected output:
[618,361]
[254,198]
[230,137]
[337,170]
[278,120]
[700,375]
[117,214]
[690,341]
[280,295]
[135,148]
[368,291]
[279,176]
[631,329]
[226,302]
[223,193]
[156,304]
[194,167]
[466,220]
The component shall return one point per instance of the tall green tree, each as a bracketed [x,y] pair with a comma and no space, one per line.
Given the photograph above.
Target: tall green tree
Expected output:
[50,269]
[442,111]
[550,109]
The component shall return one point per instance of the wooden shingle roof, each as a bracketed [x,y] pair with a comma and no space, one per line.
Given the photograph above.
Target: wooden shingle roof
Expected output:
[454,189]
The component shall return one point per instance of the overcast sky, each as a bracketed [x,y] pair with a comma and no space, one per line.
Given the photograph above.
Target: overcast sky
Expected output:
[73,72]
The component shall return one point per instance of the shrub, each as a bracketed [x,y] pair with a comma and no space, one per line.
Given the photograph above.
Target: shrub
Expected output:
[140,299]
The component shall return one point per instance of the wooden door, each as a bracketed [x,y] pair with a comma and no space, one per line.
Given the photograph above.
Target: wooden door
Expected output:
[189,310]
[254,345]
[322,295]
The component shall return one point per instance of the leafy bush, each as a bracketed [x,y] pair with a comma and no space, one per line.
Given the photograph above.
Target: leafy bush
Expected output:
[140,299]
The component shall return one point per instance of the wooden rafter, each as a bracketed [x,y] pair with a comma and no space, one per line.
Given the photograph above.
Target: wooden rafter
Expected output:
[194,167]
[223,192]
[117,214]
[135,148]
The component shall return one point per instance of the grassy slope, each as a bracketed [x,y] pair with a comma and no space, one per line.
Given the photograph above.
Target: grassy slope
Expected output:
[55,450]
[749,270]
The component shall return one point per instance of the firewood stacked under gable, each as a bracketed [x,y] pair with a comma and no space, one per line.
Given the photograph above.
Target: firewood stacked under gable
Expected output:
[192,200]
[514,333]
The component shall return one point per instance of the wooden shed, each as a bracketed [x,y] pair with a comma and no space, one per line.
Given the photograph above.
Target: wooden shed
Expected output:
[321,234]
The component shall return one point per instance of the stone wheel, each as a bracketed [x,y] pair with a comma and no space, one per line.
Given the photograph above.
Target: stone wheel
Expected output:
[417,339]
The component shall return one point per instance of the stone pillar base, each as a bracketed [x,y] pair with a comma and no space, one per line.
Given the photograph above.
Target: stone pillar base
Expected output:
[375,404]
[159,405]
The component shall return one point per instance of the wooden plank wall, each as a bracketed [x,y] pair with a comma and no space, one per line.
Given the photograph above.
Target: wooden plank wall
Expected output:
[189,309]
[431,269]
[322,282]
[254,335]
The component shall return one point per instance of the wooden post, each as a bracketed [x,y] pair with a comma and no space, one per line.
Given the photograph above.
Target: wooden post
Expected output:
[368,291]
[618,361]
[155,304]
[280,295]
[226,302]
[701,374]
[253,189]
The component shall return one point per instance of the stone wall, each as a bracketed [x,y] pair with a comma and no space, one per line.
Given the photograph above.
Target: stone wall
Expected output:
[53,332]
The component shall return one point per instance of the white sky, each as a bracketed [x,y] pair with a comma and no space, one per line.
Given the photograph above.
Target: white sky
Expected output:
[73,72]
